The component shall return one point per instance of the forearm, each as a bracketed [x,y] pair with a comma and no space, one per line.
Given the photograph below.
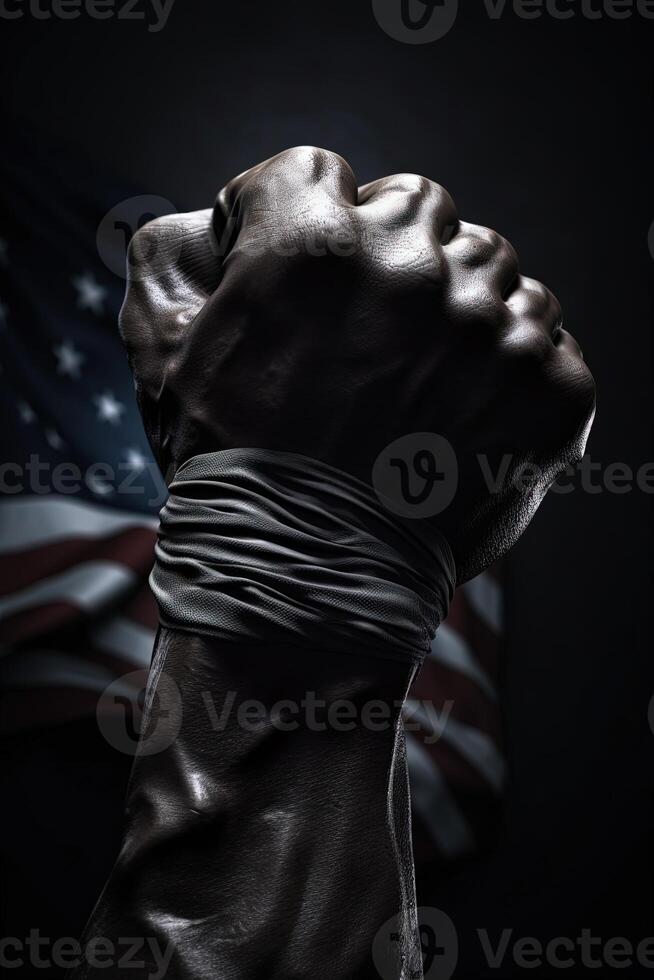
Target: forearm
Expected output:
[270,561]
[268,816]
[263,841]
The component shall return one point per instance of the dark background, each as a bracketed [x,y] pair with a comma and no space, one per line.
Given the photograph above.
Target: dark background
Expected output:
[541,129]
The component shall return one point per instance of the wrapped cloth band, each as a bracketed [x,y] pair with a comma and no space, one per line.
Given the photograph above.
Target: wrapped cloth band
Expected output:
[263,546]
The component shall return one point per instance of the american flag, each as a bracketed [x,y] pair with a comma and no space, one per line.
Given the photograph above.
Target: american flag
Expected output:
[80,493]
[457,769]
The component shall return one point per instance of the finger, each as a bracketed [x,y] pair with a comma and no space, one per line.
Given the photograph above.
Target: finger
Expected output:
[172,270]
[403,199]
[283,185]
[566,343]
[531,303]
[478,248]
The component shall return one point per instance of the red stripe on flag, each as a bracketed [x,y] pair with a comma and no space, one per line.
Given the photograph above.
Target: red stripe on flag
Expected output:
[133,548]
[141,608]
[483,641]
[438,685]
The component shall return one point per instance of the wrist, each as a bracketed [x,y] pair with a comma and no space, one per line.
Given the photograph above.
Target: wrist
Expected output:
[259,546]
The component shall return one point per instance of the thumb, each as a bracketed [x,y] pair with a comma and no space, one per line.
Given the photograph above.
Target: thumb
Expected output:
[173,267]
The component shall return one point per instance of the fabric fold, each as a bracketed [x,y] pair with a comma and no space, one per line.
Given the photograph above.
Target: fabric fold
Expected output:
[263,546]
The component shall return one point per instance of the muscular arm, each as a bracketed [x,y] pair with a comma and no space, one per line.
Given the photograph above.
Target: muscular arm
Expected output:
[266,853]
[271,836]
[280,854]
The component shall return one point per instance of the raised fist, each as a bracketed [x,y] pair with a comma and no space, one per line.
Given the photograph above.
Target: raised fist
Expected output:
[308,315]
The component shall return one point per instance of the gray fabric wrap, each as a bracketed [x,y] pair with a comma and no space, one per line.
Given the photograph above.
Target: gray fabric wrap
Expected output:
[270,547]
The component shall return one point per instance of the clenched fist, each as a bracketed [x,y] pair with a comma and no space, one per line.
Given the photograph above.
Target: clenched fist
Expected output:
[304,313]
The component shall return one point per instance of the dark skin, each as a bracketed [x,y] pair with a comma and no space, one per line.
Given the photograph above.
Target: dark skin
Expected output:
[309,315]
[255,852]
[305,314]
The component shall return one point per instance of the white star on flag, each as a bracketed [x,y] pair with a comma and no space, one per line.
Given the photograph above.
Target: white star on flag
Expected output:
[53,439]
[109,408]
[69,359]
[98,484]
[135,459]
[91,295]
[26,412]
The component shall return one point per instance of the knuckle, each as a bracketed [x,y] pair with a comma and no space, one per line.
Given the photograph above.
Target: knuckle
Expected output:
[494,314]
[157,229]
[475,306]
[444,201]
[471,252]
[478,233]
[225,199]
[492,239]
[529,352]
[238,186]
[148,241]
[141,241]
[413,185]
[418,192]
[441,193]
[232,191]
[572,389]
[507,254]
[532,299]
[313,162]
[554,314]
[555,306]
[130,326]
[536,291]
[476,245]
[286,178]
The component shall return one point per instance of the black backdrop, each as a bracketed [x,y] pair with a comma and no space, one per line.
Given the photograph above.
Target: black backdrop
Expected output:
[542,129]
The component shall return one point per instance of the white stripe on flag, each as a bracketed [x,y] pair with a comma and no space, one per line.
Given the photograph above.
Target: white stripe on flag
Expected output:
[49,668]
[32,521]
[485,597]
[450,649]
[432,800]
[476,747]
[126,639]
[89,586]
